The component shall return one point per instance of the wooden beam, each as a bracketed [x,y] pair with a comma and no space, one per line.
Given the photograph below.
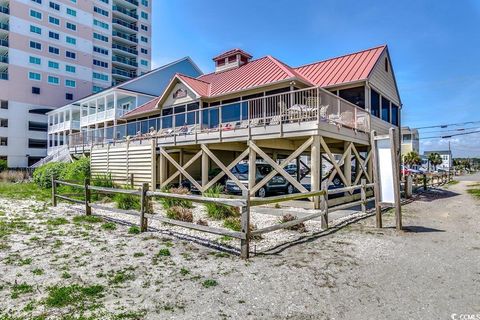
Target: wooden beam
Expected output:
[229,168]
[188,164]
[183,171]
[315,169]
[376,181]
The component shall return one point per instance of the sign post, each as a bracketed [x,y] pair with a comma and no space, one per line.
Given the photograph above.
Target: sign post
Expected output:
[386,172]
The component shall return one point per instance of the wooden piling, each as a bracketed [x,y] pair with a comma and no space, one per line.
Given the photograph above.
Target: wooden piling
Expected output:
[88,209]
[143,208]
[54,192]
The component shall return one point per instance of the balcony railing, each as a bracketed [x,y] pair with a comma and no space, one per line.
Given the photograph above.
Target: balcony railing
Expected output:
[3,75]
[65,125]
[4,9]
[4,26]
[125,61]
[3,59]
[127,12]
[125,49]
[125,24]
[276,112]
[120,72]
[124,36]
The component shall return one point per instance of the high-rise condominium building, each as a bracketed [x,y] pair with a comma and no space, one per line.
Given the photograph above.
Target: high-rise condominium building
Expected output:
[55,52]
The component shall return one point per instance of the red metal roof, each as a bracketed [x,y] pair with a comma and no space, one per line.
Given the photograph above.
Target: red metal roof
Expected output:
[351,67]
[230,52]
[267,70]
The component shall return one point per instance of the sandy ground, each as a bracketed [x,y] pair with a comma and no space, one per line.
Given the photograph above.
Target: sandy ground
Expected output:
[429,271]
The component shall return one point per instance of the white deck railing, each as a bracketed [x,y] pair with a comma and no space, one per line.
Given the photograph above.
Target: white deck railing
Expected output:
[306,105]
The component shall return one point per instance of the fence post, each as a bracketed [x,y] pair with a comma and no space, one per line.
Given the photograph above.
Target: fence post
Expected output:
[131,180]
[425,182]
[408,186]
[88,209]
[54,192]
[245,221]
[324,206]
[143,208]
[363,195]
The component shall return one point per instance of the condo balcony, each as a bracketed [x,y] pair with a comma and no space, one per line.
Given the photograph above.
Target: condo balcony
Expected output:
[4,10]
[126,26]
[4,59]
[124,37]
[4,45]
[4,26]
[129,63]
[128,3]
[124,49]
[124,73]
[125,13]
[4,75]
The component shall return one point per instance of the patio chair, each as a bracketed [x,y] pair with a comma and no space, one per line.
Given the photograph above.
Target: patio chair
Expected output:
[275,120]
[346,118]
[244,124]
[255,122]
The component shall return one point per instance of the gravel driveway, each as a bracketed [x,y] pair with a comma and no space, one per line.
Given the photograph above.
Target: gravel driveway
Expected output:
[429,271]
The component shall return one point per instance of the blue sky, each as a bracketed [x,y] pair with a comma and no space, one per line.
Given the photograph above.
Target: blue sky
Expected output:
[434,45]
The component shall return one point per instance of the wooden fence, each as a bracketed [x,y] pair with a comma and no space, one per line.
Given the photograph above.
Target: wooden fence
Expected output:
[244,203]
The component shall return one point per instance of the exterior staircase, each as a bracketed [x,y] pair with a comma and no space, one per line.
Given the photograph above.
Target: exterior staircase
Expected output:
[62,154]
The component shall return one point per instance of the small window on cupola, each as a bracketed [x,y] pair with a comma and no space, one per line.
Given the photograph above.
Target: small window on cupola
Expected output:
[231,59]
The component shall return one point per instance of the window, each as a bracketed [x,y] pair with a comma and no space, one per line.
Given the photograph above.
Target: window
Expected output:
[53,80]
[4,123]
[71,12]
[34,76]
[144,27]
[100,37]
[53,64]
[144,63]
[54,20]
[104,1]
[144,15]
[100,63]
[96,89]
[35,60]
[71,26]
[71,40]
[386,64]
[375,103]
[70,68]
[54,6]
[70,83]
[37,126]
[385,109]
[100,11]
[37,1]
[4,104]
[145,3]
[70,54]
[100,50]
[39,111]
[35,29]
[53,35]
[35,45]
[35,14]
[69,96]
[144,39]
[354,95]
[100,76]
[395,114]
[53,50]
[100,24]
[144,51]
[37,144]
[35,90]
[3,141]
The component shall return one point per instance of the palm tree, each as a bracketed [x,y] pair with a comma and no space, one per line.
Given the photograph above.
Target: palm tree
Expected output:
[434,159]
[412,158]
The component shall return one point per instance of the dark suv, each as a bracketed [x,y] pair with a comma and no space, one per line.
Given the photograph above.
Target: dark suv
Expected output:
[278,184]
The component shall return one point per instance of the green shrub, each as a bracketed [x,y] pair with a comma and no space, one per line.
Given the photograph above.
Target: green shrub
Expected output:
[134,230]
[3,165]
[103,180]
[42,175]
[77,170]
[219,211]
[167,203]
[233,223]
[127,201]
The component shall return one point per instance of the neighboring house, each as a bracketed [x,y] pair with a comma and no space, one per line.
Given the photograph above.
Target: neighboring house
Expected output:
[102,110]
[410,140]
[447,159]
[55,52]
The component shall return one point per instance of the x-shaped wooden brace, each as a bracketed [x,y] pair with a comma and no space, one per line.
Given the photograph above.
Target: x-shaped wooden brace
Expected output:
[334,163]
[225,170]
[279,169]
[362,164]
[181,170]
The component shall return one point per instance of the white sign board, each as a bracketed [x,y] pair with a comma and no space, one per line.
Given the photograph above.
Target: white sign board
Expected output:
[385,170]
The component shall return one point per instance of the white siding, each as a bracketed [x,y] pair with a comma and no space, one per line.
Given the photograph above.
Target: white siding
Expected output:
[384,82]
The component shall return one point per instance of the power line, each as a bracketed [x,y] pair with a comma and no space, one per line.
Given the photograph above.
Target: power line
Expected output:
[448,125]
[452,135]
[453,130]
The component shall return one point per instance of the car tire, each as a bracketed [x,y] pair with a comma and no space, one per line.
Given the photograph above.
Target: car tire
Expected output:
[262,192]
[336,181]
[290,189]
